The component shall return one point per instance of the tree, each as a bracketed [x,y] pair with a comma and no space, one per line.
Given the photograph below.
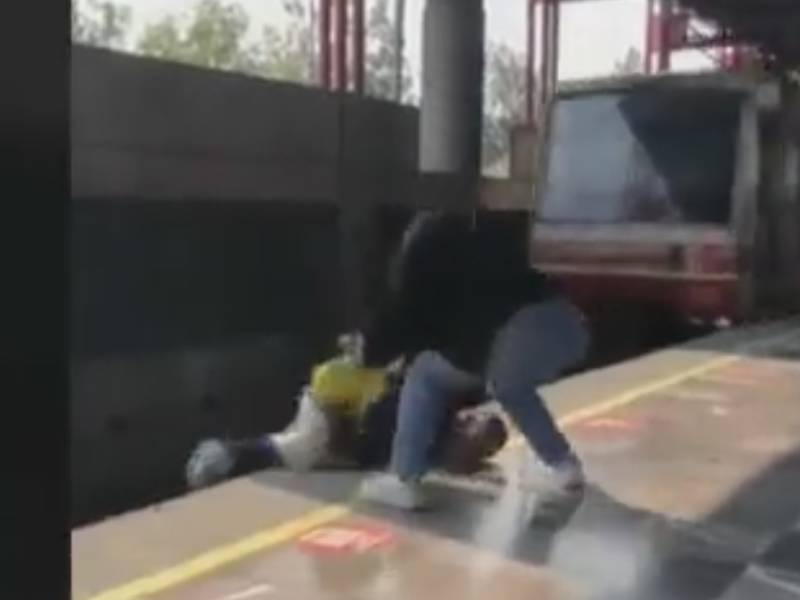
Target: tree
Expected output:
[101,23]
[214,38]
[631,64]
[504,100]
[288,54]
[382,57]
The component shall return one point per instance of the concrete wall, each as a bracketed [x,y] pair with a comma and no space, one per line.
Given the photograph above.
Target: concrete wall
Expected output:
[157,130]
[217,246]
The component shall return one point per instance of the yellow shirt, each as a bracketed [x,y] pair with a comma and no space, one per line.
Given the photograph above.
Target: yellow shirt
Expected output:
[344,386]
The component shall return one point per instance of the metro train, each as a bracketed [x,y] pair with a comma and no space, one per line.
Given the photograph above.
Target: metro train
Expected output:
[673,195]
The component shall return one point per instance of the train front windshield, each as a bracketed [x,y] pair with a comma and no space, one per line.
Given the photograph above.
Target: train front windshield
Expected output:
[643,156]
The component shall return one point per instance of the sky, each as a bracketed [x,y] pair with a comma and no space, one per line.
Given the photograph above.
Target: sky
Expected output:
[594,33]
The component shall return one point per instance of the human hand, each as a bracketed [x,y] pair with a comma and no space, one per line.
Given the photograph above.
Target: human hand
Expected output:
[352,346]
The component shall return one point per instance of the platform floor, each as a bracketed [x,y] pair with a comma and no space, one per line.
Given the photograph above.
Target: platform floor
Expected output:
[693,456]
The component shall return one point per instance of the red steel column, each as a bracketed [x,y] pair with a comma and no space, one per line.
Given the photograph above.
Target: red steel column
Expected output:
[325,43]
[358,46]
[665,43]
[648,37]
[555,38]
[341,45]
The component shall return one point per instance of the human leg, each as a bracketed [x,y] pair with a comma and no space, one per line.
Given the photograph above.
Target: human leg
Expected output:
[430,384]
[300,446]
[536,345]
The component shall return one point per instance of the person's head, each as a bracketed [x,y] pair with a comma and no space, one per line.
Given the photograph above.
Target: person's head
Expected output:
[473,439]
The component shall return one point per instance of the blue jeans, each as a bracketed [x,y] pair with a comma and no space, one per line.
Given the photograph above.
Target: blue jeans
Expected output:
[533,348]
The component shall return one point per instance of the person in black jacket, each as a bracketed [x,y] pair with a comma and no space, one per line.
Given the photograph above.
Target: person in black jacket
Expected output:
[464,312]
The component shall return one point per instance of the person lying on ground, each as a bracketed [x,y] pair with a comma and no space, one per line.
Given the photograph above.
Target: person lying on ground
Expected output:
[346,418]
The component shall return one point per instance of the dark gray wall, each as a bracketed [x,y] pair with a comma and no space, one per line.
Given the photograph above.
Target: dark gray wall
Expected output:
[165,275]
[154,130]
[222,232]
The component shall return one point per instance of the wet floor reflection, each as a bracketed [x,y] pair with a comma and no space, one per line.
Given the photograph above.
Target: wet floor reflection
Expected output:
[607,548]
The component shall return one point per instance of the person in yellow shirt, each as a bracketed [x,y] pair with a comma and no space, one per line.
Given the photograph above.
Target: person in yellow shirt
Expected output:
[346,417]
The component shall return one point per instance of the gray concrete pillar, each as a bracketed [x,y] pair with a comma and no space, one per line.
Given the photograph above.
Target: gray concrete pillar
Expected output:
[452,87]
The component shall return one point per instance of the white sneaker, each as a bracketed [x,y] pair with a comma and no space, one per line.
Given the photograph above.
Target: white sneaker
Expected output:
[390,490]
[210,463]
[565,478]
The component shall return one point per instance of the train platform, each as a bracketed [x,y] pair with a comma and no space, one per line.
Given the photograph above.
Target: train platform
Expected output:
[693,460]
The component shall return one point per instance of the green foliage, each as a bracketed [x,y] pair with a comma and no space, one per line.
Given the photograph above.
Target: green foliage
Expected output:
[213,38]
[504,101]
[288,54]
[382,56]
[214,35]
[101,23]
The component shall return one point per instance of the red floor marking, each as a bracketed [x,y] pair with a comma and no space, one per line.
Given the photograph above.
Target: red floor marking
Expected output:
[346,539]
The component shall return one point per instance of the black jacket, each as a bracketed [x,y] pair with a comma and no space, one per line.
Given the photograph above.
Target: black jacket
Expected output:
[452,286]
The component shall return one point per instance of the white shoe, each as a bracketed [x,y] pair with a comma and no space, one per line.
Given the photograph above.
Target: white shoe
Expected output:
[390,490]
[565,478]
[210,463]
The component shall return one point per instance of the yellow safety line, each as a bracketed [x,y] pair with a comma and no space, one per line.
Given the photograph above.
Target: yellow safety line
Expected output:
[225,555]
[639,392]
[634,395]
